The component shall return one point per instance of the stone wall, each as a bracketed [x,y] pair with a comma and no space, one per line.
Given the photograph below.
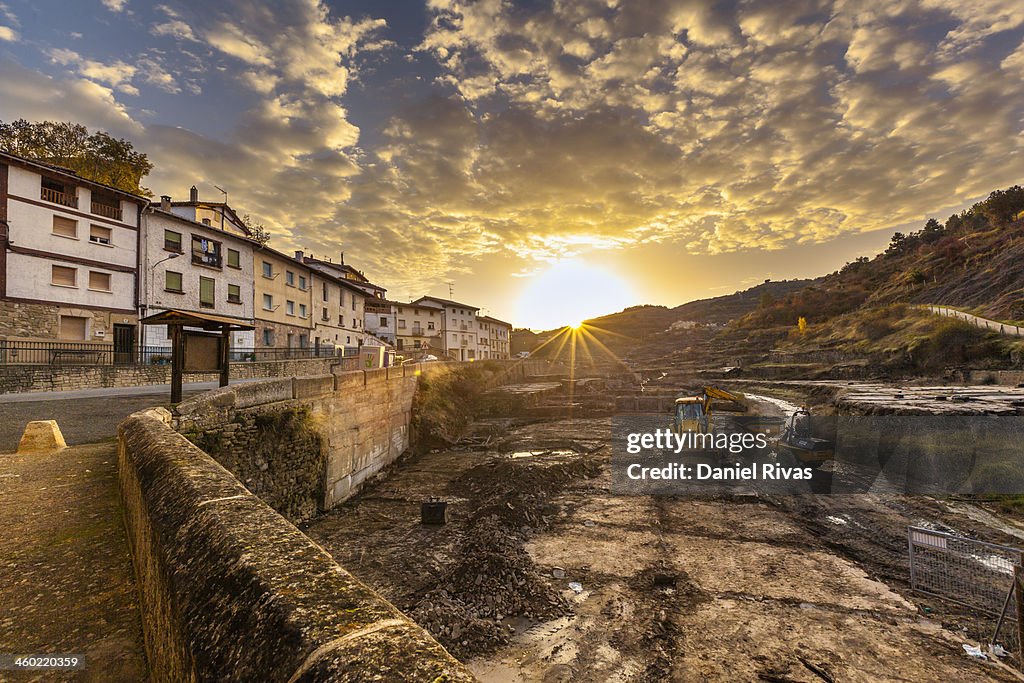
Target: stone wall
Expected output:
[231,591]
[27,378]
[306,444]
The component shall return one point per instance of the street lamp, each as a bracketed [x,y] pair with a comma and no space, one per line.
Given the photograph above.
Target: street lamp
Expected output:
[149,285]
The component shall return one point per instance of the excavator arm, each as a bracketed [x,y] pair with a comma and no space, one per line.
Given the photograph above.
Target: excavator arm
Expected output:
[716,396]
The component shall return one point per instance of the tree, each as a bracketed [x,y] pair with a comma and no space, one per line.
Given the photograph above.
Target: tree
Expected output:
[801,324]
[99,157]
[258,230]
[1002,206]
[767,299]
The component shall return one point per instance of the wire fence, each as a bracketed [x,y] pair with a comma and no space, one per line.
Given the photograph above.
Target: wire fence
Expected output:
[972,573]
[86,353]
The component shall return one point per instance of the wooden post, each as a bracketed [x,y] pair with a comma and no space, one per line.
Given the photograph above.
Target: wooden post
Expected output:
[177,362]
[225,356]
[1018,592]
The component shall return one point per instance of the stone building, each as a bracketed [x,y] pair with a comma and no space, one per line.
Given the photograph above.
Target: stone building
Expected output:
[189,265]
[68,256]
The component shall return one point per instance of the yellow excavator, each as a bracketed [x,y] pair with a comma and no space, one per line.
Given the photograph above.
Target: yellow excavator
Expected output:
[694,413]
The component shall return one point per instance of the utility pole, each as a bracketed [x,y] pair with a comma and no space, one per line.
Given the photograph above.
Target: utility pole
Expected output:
[451,289]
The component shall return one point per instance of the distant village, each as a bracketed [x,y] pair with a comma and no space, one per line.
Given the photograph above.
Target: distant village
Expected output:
[83,264]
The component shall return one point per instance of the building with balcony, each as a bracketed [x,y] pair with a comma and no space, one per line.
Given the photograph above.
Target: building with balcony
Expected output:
[283,300]
[418,328]
[459,332]
[338,307]
[68,256]
[493,338]
[190,266]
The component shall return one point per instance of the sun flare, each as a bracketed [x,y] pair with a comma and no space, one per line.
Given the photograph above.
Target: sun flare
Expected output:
[570,292]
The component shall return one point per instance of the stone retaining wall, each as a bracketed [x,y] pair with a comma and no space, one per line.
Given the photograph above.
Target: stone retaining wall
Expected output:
[230,591]
[28,378]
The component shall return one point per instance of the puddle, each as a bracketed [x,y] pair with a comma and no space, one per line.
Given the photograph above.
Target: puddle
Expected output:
[556,452]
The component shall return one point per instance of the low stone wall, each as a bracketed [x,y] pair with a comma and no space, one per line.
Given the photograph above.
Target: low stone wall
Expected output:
[230,591]
[28,378]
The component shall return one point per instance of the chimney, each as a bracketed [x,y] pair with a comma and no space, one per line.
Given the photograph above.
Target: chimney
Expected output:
[342,259]
[193,194]
[298,255]
[165,202]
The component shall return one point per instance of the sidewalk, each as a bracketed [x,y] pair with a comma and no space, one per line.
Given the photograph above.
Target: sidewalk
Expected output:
[66,580]
[85,416]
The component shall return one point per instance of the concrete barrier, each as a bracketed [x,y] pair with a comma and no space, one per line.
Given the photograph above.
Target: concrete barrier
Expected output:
[230,591]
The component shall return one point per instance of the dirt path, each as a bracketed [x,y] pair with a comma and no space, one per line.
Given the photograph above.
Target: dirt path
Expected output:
[740,588]
[66,583]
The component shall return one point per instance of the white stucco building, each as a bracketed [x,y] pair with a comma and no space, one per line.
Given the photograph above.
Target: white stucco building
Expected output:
[493,338]
[68,255]
[460,331]
[189,266]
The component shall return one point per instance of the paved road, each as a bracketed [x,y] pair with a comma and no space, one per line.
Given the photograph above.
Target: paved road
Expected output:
[66,581]
[978,321]
[84,416]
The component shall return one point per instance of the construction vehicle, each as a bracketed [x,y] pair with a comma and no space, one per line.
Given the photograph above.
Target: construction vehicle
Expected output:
[795,445]
[694,413]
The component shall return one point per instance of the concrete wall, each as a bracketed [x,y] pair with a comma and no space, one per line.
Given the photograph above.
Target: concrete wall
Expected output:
[230,591]
[27,378]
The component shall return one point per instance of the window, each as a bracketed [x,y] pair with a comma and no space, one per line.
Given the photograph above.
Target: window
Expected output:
[400,310]
[268,302]
[99,281]
[72,328]
[99,235]
[302,282]
[205,252]
[64,276]
[430,325]
[235,294]
[324,315]
[353,302]
[206,221]
[172,241]
[302,310]
[289,307]
[383,322]
[207,292]
[289,278]
[268,337]
[234,259]
[65,227]
[303,341]
[172,281]
[325,297]
[341,321]
[401,323]
[268,269]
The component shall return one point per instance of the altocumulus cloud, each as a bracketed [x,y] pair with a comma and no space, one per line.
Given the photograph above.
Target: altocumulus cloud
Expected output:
[707,127]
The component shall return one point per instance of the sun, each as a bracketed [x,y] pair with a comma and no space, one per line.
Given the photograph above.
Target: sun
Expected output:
[572,291]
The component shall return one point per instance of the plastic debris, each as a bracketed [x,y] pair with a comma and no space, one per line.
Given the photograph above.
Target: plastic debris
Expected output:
[557,573]
[998,650]
[576,586]
[974,651]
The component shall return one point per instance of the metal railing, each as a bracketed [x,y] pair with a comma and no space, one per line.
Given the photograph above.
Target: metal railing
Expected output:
[87,353]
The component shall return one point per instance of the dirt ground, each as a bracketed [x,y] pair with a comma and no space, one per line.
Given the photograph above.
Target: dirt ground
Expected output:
[544,575]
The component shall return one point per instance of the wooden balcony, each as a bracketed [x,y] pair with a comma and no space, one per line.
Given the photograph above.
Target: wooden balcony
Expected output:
[106,210]
[62,198]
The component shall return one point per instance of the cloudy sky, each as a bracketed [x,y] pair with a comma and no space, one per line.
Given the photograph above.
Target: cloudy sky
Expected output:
[552,159]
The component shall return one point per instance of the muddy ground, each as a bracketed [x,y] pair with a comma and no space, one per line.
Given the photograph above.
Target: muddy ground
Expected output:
[543,574]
